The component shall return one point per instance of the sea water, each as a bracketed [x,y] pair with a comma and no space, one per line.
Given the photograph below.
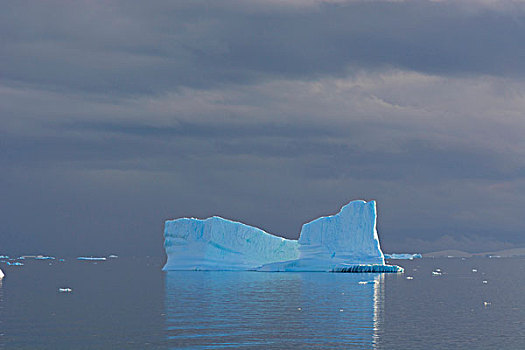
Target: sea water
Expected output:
[129,303]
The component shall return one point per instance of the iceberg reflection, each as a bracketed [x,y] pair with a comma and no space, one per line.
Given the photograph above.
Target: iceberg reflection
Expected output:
[273,310]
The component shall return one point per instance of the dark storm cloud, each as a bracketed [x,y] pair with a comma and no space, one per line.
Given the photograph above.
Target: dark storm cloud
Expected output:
[138,47]
[118,115]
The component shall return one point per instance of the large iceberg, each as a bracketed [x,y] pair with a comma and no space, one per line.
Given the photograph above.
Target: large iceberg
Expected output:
[344,242]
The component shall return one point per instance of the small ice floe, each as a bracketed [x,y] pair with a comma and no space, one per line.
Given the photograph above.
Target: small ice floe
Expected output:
[65,290]
[410,278]
[436,273]
[299,309]
[341,310]
[4,257]
[43,257]
[113,256]
[14,263]
[485,281]
[1,274]
[91,258]
[474,270]
[486,303]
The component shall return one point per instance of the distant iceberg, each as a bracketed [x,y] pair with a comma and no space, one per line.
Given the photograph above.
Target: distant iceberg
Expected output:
[91,258]
[344,242]
[403,256]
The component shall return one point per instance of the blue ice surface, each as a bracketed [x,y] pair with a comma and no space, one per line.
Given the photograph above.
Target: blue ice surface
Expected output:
[344,242]
[4,257]
[403,256]
[15,263]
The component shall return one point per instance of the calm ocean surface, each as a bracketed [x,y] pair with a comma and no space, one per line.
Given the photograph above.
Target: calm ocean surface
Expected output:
[131,304]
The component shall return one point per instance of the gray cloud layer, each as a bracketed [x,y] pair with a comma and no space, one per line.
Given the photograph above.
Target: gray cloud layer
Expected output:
[119,115]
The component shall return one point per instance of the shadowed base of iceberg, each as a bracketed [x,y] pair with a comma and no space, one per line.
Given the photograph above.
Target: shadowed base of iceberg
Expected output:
[370,268]
[318,265]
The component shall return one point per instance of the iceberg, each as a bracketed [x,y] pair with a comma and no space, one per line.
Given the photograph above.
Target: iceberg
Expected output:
[403,256]
[91,258]
[344,242]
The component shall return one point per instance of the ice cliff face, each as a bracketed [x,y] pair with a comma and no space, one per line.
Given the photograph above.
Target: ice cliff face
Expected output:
[346,241]
[349,237]
[219,244]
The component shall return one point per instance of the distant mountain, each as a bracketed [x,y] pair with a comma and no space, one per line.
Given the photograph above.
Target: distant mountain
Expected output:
[506,253]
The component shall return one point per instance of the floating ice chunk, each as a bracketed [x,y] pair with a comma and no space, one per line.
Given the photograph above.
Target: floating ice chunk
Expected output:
[4,257]
[410,278]
[403,256]
[436,273]
[43,257]
[65,290]
[14,263]
[1,274]
[91,258]
[113,256]
[474,270]
[485,282]
[486,303]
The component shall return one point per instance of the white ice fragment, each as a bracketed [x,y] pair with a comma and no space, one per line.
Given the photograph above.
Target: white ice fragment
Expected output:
[485,282]
[436,273]
[341,310]
[1,274]
[113,256]
[474,270]
[65,290]
[4,257]
[43,257]
[299,309]
[486,303]
[410,278]
[363,282]
[91,258]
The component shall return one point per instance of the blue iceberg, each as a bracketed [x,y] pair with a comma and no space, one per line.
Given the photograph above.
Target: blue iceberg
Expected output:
[403,256]
[344,242]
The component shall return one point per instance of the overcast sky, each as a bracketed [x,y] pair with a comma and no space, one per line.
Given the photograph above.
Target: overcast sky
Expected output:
[118,115]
